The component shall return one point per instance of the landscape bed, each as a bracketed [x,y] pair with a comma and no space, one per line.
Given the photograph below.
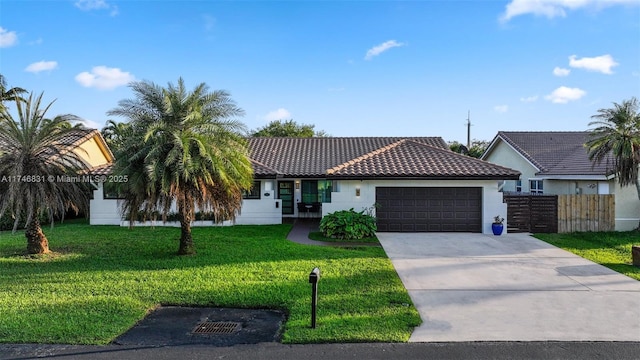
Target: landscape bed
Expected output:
[101,280]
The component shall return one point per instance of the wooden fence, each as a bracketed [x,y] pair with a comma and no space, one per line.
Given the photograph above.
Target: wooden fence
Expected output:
[560,213]
[586,213]
[532,213]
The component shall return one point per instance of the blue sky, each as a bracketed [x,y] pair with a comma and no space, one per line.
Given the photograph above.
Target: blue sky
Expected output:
[351,68]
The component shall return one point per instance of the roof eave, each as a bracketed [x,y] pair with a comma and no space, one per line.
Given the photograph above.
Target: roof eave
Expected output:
[424,177]
[502,137]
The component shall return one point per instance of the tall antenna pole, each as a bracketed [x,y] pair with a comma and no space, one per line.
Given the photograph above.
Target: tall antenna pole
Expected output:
[469,129]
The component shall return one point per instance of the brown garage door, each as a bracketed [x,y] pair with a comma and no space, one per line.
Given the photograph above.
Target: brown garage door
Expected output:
[429,209]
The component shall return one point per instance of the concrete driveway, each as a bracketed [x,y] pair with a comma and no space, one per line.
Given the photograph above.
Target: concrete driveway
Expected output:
[476,287]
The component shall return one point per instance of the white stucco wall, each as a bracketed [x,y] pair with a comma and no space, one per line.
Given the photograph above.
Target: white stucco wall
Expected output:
[627,206]
[263,211]
[504,155]
[254,211]
[345,196]
[568,187]
[103,212]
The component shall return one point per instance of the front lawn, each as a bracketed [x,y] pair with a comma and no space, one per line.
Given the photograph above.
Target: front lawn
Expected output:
[103,279]
[611,249]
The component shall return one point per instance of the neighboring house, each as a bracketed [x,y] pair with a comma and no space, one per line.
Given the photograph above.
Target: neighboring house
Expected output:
[90,146]
[417,183]
[557,163]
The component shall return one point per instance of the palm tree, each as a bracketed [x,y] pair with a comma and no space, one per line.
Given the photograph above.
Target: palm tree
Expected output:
[183,147]
[34,158]
[115,134]
[9,94]
[616,138]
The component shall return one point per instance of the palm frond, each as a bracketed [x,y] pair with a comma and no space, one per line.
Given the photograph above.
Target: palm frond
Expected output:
[33,148]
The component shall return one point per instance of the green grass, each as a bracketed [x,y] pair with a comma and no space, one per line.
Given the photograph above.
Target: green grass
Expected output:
[101,280]
[611,249]
[317,235]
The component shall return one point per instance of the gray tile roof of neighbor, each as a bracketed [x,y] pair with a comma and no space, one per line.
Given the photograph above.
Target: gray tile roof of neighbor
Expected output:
[368,157]
[555,152]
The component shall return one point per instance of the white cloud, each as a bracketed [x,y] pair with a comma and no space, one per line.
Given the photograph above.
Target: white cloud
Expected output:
[91,124]
[379,49]
[86,5]
[529,99]
[89,5]
[41,66]
[102,77]
[7,38]
[601,64]
[501,108]
[555,8]
[563,95]
[280,114]
[558,71]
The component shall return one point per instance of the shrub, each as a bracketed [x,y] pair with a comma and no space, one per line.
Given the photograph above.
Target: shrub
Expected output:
[348,225]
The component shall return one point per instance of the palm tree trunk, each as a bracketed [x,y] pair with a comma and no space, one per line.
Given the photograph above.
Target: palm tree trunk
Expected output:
[37,243]
[186,239]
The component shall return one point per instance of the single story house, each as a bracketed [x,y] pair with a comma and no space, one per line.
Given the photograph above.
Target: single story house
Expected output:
[557,163]
[413,184]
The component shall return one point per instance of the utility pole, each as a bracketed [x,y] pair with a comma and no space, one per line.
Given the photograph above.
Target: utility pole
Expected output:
[469,129]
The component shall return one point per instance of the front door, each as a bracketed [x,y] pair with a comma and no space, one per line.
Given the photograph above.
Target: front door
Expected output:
[285,193]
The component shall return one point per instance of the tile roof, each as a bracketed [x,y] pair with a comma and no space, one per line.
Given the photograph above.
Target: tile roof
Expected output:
[105,169]
[555,152]
[362,157]
[366,157]
[260,169]
[311,157]
[75,138]
[78,136]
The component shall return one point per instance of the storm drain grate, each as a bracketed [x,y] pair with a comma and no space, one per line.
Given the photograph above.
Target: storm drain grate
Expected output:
[217,327]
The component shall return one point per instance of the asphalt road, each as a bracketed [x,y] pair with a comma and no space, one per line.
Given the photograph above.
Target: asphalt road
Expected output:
[381,351]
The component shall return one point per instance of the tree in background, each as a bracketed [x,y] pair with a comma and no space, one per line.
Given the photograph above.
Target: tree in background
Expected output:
[11,94]
[34,162]
[183,147]
[477,148]
[115,134]
[288,128]
[616,138]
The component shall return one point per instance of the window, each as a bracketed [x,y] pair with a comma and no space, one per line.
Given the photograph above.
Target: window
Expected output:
[325,187]
[110,191]
[316,191]
[518,185]
[253,193]
[535,186]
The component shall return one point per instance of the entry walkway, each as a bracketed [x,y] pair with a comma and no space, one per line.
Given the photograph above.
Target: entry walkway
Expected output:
[302,227]
[475,287]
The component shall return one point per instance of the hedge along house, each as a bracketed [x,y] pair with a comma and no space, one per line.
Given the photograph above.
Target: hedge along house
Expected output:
[416,184]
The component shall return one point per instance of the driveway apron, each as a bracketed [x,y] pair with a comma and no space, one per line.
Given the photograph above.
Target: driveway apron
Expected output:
[477,287]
